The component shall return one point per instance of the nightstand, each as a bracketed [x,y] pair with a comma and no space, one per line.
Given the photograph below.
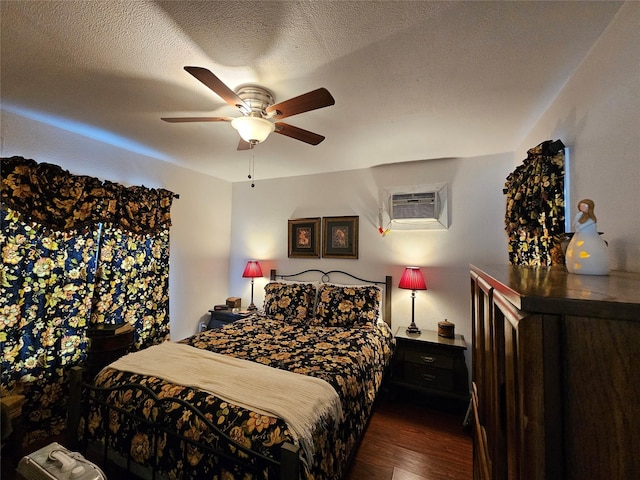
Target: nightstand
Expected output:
[105,348]
[432,365]
[219,318]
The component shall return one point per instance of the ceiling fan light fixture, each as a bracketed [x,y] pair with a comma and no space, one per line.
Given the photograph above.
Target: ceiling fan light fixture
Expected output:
[253,129]
[259,110]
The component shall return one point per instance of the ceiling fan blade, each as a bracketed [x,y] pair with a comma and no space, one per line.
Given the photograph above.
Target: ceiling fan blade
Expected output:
[218,87]
[244,145]
[196,119]
[319,98]
[298,133]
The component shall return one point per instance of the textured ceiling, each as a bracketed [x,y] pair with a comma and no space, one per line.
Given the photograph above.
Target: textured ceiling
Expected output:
[412,80]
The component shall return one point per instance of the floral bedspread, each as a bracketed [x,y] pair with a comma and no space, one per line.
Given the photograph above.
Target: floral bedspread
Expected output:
[352,360]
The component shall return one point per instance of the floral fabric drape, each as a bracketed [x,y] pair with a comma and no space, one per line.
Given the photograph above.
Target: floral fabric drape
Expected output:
[45,300]
[75,252]
[131,284]
[58,200]
[535,211]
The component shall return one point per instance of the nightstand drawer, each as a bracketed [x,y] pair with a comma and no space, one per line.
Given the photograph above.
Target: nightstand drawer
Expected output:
[429,357]
[428,376]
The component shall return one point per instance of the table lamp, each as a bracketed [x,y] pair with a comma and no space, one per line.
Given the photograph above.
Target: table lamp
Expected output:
[413,280]
[252,270]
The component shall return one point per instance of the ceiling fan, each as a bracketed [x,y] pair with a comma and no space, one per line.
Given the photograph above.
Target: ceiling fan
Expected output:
[261,114]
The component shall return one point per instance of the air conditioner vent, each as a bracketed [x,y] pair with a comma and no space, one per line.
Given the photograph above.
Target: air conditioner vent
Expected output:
[419,205]
[415,207]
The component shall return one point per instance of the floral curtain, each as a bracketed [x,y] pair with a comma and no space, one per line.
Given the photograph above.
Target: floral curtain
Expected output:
[131,284]
[75,252]
[45,301]
[534,216]
[58,200]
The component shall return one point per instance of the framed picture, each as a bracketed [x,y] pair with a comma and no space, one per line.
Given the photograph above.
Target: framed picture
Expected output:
[340,237]
[304,238]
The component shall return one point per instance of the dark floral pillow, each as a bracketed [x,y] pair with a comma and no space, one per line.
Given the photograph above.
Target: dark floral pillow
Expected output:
[289,301]
[347,306]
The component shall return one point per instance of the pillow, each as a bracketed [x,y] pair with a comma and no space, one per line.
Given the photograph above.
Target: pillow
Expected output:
[289,301]
[347,305]
[380,317]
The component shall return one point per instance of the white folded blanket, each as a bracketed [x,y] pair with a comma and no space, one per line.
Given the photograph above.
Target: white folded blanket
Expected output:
[301,401]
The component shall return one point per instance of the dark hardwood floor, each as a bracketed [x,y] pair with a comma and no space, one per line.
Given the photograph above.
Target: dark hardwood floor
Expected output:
[405,440]
[408,440]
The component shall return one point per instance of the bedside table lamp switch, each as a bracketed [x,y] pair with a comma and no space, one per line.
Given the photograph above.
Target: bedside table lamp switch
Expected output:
[252,270]
[413,280]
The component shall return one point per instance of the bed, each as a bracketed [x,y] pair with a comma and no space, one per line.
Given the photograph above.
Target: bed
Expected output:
[283,393]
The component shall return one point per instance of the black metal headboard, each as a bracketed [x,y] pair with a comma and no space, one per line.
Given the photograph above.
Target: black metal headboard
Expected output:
[326,277]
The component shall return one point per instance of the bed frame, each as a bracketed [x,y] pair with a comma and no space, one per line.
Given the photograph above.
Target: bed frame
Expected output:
[83,395]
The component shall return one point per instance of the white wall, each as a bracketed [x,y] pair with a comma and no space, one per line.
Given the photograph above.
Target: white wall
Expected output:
[476,234]
[598,115]
[201,216]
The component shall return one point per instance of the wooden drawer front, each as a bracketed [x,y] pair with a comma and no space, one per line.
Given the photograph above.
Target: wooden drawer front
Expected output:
[429,377]
[214,324]
[431,358]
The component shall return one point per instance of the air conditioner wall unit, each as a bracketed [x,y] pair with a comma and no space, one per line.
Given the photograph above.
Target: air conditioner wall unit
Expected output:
[416,207]
[421,205]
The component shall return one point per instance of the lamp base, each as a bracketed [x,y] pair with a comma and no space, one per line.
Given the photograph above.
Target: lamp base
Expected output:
[413,328]
[251,307]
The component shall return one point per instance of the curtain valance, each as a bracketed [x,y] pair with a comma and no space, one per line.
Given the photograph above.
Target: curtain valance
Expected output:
[57,199]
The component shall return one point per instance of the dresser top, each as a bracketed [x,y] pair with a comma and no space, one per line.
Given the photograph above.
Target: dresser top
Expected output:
[554,290]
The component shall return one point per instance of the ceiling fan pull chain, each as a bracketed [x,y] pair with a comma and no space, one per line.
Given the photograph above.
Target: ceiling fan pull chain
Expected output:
[252,168]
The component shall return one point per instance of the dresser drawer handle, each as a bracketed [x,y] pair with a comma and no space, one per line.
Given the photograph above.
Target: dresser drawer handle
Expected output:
[428,377]
[428,359]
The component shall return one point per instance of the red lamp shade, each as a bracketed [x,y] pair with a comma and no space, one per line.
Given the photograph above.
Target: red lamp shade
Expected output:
[252,270]
[412,279]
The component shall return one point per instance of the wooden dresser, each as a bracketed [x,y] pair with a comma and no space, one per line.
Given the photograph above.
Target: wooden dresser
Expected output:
[556,358]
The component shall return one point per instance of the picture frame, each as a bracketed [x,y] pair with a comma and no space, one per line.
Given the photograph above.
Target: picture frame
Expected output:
[304,238]
[340,237]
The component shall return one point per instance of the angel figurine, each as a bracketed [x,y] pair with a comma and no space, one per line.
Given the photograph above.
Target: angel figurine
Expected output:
[587,253]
